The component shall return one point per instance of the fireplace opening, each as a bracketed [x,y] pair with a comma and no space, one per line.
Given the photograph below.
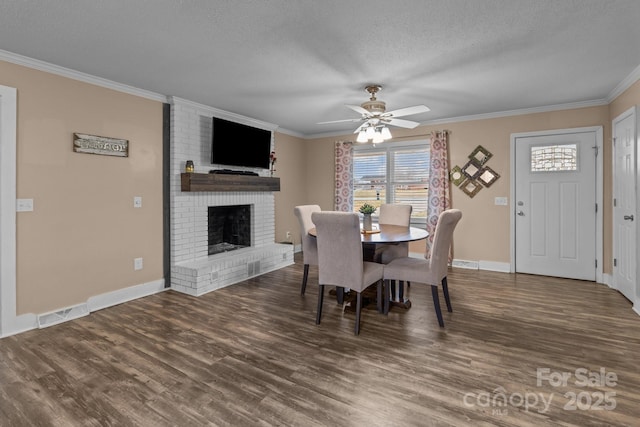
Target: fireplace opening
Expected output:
[229,228]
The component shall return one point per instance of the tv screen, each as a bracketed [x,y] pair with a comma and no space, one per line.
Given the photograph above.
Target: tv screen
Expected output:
[236,144]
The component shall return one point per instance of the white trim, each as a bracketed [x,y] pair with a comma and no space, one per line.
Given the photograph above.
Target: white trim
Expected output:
[205,110]
[109,299]
[624,84]
[599,190]
[502,267]
[8,131]
[36,64]
[519,112]
[97,302]
[469,265]
[607,279]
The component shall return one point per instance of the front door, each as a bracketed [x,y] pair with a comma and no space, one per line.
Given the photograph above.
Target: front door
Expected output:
[555,197]
[624,204]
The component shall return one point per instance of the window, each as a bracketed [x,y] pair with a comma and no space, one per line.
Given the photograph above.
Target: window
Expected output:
[554,158]
[392,173]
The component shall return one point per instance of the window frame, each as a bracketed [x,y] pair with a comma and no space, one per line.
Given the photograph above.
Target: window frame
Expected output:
[389,148]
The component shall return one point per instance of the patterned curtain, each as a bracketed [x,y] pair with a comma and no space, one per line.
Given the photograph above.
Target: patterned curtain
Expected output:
[439,198]
[344,176]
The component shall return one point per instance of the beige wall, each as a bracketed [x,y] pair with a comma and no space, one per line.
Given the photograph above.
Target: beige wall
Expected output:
[84,233]
[483,233]
[290,167]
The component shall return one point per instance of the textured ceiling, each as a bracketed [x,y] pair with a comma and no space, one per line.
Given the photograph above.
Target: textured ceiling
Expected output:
[294,63]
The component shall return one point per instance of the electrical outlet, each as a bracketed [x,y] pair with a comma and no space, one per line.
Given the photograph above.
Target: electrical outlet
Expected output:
[137,263]
[24,205]
[137,202]
[288,235]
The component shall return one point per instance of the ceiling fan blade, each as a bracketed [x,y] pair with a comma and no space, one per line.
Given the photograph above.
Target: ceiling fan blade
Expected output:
[340,121]
[358,109]
[401,123]
[408,111]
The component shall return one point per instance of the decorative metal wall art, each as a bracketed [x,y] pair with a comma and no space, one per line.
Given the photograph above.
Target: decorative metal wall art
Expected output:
[474,174]
[92,144]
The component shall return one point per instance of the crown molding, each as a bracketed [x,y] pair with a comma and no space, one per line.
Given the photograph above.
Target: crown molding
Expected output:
[496,115]
[291,133]
[206,110]
[625,84]
[36,64]
[520,112]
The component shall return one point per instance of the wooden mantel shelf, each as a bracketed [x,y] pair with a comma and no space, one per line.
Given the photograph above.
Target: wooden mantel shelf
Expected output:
[224,182]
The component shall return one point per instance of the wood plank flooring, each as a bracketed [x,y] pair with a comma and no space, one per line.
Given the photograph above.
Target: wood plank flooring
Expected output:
[251,354]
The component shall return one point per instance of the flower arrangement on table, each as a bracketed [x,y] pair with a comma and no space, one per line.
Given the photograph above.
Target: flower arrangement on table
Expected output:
[367,209]
[272,161]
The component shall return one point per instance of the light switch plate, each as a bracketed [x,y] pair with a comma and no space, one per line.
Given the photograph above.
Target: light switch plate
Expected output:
[24,205]
[137,202]
[501,201]
[137,263]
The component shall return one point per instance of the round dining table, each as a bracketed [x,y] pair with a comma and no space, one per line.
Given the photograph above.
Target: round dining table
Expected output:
[386,234]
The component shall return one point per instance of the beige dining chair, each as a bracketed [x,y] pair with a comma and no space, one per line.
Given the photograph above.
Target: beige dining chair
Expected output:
[432,271]
[393,214]
[309,247]
[340,258]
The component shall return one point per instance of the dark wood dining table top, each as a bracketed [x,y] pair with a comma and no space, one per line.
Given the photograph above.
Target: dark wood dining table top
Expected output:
[389,234]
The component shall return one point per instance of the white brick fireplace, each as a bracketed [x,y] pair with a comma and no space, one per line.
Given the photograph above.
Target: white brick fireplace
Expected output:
[193,271]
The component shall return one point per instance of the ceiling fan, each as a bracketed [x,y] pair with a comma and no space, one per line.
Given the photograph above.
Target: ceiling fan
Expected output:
[374,117]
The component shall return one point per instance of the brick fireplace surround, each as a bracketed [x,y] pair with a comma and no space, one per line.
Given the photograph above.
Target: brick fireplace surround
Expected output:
[193,271]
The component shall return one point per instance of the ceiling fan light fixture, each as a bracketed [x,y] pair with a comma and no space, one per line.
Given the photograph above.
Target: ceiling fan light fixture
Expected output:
[386,133]
[377,137]
[362,136]
[370,132]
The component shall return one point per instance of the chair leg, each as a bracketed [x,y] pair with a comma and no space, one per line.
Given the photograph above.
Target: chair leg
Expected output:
[387,296]
[445,291]
[379,296]
[401,290]
[393,289]
[358,310]
[436,303]
[340,294]
[305,276]
[320,298]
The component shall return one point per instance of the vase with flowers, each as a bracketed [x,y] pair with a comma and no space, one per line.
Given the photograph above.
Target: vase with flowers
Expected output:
[366,210]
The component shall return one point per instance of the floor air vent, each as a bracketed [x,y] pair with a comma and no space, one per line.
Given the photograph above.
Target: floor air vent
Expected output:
[69,313]
[253,268]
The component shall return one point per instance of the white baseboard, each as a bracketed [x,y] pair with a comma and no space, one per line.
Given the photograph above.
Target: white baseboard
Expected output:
[20,324]
[502,267]
[29,321]
[607,279]
[98,302]
[470,265]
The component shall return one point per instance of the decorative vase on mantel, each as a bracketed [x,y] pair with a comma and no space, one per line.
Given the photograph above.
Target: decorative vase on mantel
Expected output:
[366,222]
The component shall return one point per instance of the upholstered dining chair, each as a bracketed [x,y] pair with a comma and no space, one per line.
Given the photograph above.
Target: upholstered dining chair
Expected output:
[393,214]
[309,248]
[340,258]
[432,271]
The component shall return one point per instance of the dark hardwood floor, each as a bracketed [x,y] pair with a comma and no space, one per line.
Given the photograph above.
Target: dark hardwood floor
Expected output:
[251,354]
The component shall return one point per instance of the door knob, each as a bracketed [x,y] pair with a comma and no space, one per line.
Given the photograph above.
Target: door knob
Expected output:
[628,217]
[520,213]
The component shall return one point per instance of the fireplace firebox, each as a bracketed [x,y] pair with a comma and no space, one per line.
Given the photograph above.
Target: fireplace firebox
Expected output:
[229,228]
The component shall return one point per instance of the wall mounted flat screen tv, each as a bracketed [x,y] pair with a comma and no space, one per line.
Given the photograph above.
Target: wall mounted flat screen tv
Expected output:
[236,144]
